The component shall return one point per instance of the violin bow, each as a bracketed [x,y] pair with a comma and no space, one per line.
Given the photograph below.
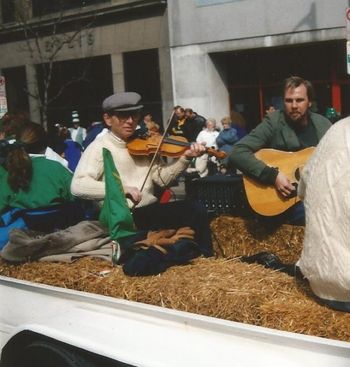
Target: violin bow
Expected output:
[156,152]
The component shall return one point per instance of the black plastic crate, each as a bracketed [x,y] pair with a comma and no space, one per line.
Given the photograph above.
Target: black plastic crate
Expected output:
[220,194]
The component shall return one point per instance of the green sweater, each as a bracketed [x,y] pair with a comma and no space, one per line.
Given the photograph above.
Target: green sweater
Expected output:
[2,172]
[273,132]
[50,185]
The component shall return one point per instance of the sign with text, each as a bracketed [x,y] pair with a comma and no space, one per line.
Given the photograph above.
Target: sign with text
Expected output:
[3,100]
[348,56]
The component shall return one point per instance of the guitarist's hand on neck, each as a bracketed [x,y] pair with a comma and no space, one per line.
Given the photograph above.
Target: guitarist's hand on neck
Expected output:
[283,185]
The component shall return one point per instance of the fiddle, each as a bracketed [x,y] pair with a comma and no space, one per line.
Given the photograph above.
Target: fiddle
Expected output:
[171,146]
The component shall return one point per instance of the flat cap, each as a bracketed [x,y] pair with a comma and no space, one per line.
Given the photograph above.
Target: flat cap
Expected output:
[125,101]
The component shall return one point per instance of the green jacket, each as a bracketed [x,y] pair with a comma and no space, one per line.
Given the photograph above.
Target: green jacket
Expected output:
[273,132]
[50,185]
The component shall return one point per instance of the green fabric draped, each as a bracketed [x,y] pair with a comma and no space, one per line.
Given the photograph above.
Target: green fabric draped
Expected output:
[115,213]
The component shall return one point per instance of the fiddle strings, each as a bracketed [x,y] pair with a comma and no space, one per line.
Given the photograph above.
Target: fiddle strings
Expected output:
[157,150]
[156,153]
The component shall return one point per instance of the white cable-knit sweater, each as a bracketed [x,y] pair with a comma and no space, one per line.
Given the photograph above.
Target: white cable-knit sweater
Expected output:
[88,179]
[325,186]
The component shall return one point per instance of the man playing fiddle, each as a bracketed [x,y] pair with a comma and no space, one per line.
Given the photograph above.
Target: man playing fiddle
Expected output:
[121,113]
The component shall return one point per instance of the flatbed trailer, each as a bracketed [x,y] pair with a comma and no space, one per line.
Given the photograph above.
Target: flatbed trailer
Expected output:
[42,325]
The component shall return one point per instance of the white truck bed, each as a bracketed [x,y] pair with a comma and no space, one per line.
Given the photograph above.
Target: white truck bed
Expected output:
[150,336]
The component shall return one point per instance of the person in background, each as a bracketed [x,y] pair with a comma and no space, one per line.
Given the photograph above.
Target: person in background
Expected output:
[270,108]
[55,138]
[194,124]
[226,138]
[56,146]
[72,150]
[31,181]
[151,125]
[96,128]
[238,122]
[121,113]
[11,123]
[332,115]
[292,129]
[147,126]
[178,128]
[207,137]
[77,132]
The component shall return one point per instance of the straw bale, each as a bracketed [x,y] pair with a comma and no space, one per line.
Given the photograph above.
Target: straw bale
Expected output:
[219,287]
[238,237]
[303,315]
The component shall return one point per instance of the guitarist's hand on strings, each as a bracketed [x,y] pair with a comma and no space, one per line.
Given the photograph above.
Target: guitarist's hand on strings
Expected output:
[196,150]
[283,185]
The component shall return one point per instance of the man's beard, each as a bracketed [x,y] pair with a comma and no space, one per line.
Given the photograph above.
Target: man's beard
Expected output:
[298,118]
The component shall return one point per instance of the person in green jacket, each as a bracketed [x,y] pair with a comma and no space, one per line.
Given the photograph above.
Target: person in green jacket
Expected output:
[31,181]
[293,129]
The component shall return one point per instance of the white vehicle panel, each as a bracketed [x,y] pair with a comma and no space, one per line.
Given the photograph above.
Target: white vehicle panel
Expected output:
[151,336]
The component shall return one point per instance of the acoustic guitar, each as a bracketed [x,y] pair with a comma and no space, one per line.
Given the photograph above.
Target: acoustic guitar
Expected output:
[266,200]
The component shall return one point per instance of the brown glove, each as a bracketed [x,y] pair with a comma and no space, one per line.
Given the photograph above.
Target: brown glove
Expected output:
[183,232]
[165,237]
[153,237]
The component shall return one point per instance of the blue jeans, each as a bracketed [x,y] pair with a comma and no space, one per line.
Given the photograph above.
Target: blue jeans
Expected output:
[295,215]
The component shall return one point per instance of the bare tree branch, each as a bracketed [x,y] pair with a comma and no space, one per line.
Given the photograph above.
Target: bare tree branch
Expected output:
[44,46]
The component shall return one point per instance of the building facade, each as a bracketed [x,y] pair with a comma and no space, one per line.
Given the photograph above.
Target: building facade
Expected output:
[95,48]
[210,55]
[233,54]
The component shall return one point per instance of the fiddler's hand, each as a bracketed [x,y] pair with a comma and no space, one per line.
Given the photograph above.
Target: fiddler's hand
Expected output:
[283,185]
[133,193]
[196,150]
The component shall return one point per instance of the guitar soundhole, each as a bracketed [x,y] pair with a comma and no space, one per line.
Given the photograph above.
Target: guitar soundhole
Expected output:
[297,173]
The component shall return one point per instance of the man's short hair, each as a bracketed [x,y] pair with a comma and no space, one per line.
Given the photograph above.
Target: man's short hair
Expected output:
[295,81]
[188,110]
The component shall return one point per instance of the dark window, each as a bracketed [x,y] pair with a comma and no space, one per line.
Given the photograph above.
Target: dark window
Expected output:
[8,11]
[85,82]
[141,71]
[256,76]
[42,7]
[17,97]
[345,98]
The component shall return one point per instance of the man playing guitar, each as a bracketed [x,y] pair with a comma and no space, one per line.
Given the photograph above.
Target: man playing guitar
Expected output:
[290,130]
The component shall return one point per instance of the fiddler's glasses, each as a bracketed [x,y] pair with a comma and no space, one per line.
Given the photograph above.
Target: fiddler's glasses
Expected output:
[124,115]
